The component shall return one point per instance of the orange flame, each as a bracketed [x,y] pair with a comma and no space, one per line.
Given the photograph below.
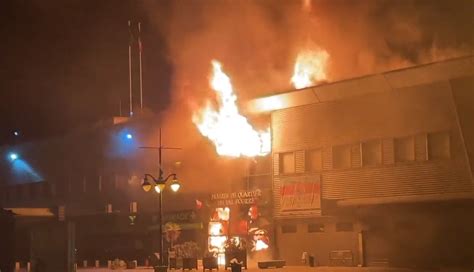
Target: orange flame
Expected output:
[310,67]
[226,127]
[260,245]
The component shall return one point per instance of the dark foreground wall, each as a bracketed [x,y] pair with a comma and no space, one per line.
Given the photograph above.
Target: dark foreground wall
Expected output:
[52,247]
[7,242]
[430,235]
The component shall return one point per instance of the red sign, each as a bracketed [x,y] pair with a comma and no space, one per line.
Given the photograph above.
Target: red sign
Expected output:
[301,195]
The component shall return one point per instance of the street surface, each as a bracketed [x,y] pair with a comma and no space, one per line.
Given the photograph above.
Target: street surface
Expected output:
[289,269]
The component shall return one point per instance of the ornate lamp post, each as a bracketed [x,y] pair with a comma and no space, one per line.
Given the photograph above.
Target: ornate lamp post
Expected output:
[159,185]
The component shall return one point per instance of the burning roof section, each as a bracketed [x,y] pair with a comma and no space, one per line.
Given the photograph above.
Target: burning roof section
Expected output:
[376,83]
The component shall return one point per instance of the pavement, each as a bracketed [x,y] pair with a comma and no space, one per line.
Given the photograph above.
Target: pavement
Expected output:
[285,269]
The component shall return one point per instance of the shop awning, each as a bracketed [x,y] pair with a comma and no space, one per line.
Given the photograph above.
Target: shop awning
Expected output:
[31,212]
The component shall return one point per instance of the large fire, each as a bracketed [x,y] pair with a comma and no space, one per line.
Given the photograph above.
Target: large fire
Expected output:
[230,132]
[310,67]
[260,245]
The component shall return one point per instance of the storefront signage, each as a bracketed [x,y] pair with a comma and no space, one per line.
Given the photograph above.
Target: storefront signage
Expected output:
[181,216]
[301,194]
[236,198]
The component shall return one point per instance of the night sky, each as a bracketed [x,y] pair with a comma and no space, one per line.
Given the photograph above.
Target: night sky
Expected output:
[65,64]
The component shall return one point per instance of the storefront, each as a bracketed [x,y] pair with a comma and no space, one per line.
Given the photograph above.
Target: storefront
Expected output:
[240,225]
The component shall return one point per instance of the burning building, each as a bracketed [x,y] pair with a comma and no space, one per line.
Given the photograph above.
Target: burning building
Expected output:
[376,170]
[368,171]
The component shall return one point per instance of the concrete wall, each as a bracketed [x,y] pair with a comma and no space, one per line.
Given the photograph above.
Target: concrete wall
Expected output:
[399,113]
[412,236]
[319,244]
[412,112]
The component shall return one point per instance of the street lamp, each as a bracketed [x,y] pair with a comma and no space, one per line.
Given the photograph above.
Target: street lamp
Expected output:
[159,184]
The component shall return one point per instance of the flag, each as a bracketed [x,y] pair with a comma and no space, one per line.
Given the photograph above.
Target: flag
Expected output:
[139,37]
[130,34]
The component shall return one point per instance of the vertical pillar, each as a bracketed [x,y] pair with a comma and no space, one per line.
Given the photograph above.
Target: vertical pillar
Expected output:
[361,248]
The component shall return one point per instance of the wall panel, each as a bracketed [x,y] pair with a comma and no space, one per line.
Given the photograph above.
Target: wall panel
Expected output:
[401,180]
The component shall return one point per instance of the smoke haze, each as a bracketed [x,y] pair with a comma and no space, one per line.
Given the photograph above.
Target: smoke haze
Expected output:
[257,43]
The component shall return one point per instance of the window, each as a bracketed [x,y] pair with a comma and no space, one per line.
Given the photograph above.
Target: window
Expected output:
[133,207]
[287,163]
[316,228]
[344,226]
[438,146]
[404,149]
[288,229]
[314,160]
[372,153]
[341,156]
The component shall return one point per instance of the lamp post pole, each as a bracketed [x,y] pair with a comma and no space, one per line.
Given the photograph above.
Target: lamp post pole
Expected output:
[160,219]
[160,182]
[160,229]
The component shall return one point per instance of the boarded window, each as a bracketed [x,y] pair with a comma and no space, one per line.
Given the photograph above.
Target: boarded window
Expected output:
[439,146]
[372,153]
[341,156]
[404,149]
[344,226]
[314,160]
[316,228]
[287,163]
[288,228]
[259,182]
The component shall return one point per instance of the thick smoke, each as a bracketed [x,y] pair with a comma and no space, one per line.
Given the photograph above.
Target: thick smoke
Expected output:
[257,43]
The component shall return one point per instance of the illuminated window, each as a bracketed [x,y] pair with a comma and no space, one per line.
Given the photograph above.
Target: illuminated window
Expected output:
[341,156]
[438,146]
[344,226]
[288,229]
[216,229]
[314,160]
[223,213]
[287,163]
[316,228]
[372,153]
[404,149]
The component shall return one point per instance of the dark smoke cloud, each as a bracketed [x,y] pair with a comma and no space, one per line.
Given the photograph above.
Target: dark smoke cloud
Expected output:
[257,42]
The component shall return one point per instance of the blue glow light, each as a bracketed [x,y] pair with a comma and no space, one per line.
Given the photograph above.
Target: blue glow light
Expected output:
[16,133]
[13,156]
[129,136]
[23,172]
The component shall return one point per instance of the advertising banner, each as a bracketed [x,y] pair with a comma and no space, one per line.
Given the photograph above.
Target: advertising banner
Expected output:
[301,193]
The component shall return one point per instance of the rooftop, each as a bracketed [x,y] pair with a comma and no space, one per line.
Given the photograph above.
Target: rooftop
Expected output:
[375,83]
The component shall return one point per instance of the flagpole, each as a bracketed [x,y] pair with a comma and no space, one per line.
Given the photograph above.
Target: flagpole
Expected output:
[130,66]
[140,57]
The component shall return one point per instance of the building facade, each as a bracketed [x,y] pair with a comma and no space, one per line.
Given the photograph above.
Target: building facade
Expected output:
[92,178]
[373,171]
[376,170]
